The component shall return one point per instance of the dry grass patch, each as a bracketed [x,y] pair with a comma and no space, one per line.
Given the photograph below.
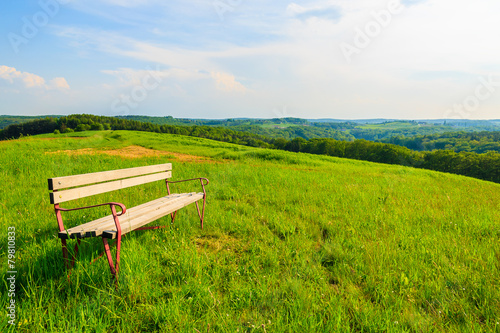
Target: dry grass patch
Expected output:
[132,152]
[217,243]
[66,137]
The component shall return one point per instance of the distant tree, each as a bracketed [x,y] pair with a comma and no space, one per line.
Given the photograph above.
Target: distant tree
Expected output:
[82,127]
[96,127]
[296,144]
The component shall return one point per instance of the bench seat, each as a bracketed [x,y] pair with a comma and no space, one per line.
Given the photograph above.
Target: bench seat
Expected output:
[134,217]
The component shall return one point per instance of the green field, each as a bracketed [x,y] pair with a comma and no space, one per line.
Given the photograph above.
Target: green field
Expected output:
[292,243]
[278,126]
[390,125]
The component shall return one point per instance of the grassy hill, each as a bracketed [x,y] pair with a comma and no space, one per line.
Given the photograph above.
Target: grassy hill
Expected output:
[292,243]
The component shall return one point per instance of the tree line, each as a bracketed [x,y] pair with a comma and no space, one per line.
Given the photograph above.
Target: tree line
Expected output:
[478,142]
[85,122]
[483,166]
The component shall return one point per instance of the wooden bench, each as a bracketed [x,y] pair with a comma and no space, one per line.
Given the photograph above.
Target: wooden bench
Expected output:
[117,224]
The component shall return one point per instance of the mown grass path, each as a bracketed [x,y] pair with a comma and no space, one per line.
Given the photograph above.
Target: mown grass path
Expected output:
[292,243]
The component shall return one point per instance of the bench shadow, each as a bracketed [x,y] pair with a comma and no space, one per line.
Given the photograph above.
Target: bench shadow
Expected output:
[49,268]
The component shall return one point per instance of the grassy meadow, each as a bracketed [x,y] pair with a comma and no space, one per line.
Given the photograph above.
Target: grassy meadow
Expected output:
[292,243]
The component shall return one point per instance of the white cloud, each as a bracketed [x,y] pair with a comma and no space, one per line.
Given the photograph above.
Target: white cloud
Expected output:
[227,82]
[58,83]
[222,81]
[323,11]
[17,79]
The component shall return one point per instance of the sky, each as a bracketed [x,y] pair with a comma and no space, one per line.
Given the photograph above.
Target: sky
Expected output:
[214,59]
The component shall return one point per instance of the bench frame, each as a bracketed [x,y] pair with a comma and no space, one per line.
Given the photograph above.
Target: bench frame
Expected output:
[64,190]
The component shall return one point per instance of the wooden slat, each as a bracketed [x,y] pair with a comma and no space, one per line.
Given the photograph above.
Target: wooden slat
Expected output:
[82,192]
[134,212]
[96,227]
[98,177]
[152,216]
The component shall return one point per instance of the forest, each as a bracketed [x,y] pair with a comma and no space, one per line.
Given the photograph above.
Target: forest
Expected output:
[6,120]
[470,136]
[478,142]
[443,157]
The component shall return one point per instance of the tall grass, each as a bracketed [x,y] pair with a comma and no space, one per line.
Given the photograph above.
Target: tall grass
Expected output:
[292,243]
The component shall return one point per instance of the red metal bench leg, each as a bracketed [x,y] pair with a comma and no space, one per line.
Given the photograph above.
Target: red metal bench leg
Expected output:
[118,248]
[118,240]
[112,266]
[173,215]
[202,214]
[69,264]
[203,182]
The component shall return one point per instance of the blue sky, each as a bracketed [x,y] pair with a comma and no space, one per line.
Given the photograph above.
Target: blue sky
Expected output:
[347,59]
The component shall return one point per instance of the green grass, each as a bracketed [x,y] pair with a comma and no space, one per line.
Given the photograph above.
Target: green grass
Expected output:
[292,243]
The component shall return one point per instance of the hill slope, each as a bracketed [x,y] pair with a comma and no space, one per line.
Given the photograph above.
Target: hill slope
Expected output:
[293,242]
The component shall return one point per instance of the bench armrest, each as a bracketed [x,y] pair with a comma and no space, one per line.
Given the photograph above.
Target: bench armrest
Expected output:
[203,182]
[186,180]
[111,204]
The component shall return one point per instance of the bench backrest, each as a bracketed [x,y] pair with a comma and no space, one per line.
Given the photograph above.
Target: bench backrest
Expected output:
[85,185]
